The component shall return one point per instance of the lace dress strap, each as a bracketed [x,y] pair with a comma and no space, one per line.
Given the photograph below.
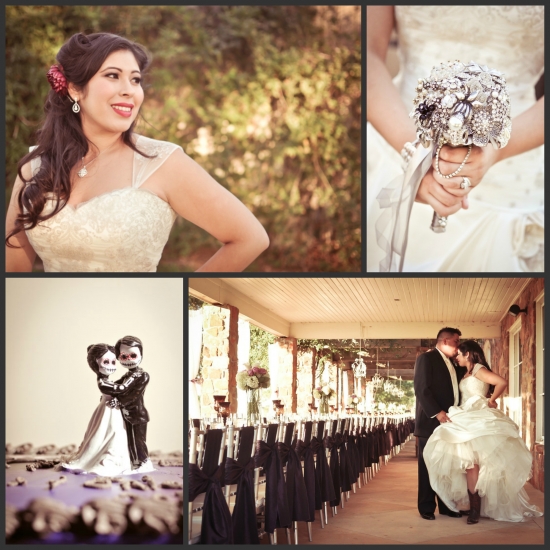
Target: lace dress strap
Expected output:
[477,366]
[145,167]
[35,163]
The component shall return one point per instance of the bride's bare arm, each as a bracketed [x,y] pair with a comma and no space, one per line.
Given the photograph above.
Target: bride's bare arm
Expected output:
[387,112]
[385,108]
[493,379]
[199,198]
[527,132]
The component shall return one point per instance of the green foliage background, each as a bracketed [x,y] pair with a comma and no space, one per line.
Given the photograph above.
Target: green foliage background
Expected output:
[259,346]
[274,93]
[408,399]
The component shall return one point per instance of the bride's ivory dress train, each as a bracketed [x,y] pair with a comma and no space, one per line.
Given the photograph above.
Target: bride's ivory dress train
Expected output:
[480,435]
[503,228]
[104,450]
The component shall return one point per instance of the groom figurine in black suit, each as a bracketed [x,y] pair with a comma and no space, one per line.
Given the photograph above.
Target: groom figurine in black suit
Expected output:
[436,388]
[129,391]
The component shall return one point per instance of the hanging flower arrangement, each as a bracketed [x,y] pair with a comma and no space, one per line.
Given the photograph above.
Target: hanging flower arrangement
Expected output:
[323,393]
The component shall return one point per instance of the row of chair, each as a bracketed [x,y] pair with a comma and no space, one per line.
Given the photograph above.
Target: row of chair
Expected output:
[250,480]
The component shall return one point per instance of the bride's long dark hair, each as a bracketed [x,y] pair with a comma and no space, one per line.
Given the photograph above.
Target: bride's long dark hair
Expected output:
[476,356]
[61,140]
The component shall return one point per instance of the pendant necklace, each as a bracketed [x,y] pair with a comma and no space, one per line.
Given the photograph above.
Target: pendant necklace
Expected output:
[83,171]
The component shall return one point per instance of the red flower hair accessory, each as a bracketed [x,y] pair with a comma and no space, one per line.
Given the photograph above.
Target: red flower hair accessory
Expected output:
[57,80]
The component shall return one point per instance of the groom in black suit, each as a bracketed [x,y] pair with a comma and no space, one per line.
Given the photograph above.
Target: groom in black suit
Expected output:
[436,388]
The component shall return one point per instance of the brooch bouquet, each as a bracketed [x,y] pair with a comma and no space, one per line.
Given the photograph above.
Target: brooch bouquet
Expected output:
[459,104]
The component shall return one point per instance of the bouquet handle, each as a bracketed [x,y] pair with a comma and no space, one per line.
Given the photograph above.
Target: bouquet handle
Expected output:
[396,201]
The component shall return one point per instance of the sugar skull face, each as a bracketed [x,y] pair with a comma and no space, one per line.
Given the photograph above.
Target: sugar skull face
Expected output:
[129,357]
[107,363]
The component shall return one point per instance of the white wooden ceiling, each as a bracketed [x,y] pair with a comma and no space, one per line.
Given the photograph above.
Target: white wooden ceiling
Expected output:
[367,307]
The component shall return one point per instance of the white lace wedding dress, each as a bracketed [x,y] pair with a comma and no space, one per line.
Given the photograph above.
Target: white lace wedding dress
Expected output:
[122,230]
[480,435]
[503,228]
[104,450]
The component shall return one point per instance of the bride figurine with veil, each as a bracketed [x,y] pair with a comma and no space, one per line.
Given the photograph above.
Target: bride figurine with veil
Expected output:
[496,223]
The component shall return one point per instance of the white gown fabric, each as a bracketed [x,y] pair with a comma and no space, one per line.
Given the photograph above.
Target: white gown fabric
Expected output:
[480,435]
[104,450]
[121,230]
[503,229]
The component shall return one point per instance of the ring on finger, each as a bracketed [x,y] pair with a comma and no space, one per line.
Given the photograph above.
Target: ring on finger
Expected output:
[466,183]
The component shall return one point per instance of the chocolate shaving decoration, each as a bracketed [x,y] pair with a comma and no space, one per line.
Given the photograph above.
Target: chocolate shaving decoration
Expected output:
[46,515]
[41,465]
[24,449]
[99,483]
[68,449]
[46,450]
[165,462]
[150,482]
[56,482]
[12,520]
[156,516]
[17,481]
[135,484]
[105,516]
[171,485]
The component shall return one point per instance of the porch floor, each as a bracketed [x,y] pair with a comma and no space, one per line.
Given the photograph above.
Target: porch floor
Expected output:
[384,512]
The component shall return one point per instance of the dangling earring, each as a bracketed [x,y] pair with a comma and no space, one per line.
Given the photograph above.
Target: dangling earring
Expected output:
[76,106]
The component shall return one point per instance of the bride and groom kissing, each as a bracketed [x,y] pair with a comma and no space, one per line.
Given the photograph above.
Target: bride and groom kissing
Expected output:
[471,457]
[115,440]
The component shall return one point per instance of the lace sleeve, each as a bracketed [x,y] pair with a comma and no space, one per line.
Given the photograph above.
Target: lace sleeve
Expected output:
[35,163]
[145,167]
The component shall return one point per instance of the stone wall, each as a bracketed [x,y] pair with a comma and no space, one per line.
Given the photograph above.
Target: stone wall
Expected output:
[500,350]
[219,356]
[286,368]
[304,381]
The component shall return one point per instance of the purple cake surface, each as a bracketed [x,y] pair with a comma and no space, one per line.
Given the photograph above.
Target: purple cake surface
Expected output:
[73,493]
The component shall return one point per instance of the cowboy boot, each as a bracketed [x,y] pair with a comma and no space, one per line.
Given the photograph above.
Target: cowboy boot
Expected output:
[475,507]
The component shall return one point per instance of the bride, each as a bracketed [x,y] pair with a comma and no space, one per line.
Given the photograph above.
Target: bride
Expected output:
[498,223]
[95,196]
[104,450]
[479,456]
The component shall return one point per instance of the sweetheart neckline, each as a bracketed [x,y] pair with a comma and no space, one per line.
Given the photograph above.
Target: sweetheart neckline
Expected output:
[76,207]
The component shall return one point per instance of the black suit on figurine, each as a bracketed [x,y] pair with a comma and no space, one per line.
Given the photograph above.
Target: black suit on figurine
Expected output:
[433,388]
[129,391]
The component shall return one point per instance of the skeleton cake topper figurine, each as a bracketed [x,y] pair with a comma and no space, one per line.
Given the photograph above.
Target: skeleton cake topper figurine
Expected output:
[129,391]
[104,450]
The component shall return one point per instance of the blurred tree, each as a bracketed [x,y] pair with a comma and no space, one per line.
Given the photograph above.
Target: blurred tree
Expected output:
[266,98]
[259,346]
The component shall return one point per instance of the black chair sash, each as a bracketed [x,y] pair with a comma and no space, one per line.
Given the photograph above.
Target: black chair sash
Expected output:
[346,475]
[245,530]
[216,526]
[361,443]
[313,489]
[353,452]
[298,502]
[276,501]
[322,475]
[331,443]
